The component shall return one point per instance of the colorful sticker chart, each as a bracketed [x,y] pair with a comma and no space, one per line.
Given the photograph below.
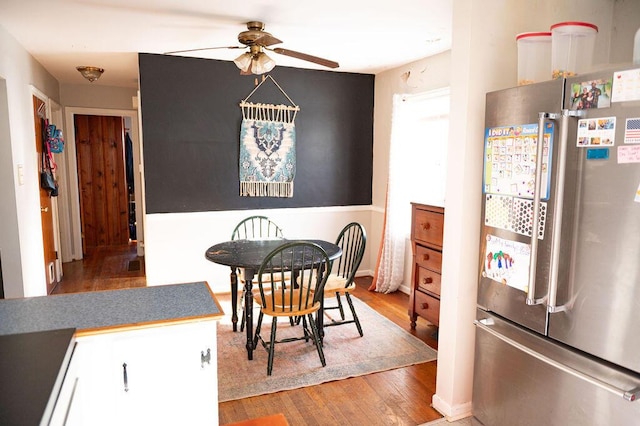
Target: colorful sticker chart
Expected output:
[510,160]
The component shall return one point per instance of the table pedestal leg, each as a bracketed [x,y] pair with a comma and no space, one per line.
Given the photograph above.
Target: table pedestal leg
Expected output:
[234,299]
[248,312]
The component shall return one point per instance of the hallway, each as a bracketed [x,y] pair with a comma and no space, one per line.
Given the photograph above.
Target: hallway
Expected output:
[108,268]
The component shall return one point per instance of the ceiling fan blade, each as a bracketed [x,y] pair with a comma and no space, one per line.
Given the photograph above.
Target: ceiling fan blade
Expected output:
[306,57]
[204,48]
[266,40]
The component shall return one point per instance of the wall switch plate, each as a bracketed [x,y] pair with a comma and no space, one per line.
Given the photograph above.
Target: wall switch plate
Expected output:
[20,174]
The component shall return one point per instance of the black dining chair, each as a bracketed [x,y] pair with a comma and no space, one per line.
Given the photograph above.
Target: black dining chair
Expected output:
[312,267]
[352,240]
[256,227]
[252,228]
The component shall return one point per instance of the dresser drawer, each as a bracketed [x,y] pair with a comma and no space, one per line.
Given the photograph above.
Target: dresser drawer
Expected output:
[428,226]
[428,258]
[427,280]
[427,307]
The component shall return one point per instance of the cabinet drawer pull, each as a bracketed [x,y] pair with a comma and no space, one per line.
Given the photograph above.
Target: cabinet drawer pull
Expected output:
[124,376]
[425,256]
[426,225]
[205,358]
[425,305]
[427,280]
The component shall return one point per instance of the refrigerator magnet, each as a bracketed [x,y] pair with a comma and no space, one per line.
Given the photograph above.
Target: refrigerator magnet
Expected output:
[596,132]
[597,153]
[591,94]
[626,86]
[632,130]
[629,154]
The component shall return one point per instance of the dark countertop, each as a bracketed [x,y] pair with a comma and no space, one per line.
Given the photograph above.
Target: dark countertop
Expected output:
[30,372]
[94,311]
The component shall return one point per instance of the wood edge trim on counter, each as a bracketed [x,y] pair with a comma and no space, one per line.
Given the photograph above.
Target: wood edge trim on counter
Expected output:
[215,299]
[143,325]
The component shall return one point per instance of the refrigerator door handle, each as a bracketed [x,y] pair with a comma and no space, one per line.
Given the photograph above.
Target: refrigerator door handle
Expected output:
[628,395]
[558,207]
[535,220]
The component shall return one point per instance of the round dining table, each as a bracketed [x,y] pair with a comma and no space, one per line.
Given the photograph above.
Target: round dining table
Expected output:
[248,255]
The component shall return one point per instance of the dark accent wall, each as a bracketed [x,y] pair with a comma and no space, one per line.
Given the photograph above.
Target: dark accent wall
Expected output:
[191,124]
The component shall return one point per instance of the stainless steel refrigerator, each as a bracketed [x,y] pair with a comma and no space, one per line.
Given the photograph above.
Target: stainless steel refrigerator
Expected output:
[558,312]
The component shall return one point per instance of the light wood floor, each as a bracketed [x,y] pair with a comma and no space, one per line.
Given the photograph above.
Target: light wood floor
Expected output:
[396,397]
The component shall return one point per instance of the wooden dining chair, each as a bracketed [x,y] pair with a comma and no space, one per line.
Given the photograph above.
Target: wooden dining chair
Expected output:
[252,228]
[352,240]
[312,267]
[256,227]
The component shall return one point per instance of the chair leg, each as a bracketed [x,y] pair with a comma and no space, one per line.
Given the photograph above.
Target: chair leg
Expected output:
[243,319]
[272,345]
[305,329]
[256,332]
[340,306]
[353,312]
[316,339]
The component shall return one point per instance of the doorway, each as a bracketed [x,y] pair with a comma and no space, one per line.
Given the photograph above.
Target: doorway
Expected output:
[84,124]
[104,206]
[46,202]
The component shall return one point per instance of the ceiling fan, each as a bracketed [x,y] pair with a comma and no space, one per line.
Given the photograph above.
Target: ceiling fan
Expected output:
[255,61]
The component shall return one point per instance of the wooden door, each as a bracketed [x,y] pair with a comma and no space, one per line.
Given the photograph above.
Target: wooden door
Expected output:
[46,210]
[101,177]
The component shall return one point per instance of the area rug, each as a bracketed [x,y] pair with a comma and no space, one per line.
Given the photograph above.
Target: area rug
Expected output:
[385,346]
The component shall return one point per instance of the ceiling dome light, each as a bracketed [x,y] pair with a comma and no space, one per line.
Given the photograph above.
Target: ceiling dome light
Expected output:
[244,62]
[90,73]
[262,64]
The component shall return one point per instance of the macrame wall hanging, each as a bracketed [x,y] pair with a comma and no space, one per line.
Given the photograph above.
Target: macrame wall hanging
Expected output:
[267,147]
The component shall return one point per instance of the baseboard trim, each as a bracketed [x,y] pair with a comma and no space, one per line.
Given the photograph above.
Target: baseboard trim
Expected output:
[451,412]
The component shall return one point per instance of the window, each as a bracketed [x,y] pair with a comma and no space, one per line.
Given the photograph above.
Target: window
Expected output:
[418,156]
[417,171]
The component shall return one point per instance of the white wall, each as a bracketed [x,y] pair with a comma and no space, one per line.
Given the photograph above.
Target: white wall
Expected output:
[94,96]
[175,243]
[20,226]
[416,77]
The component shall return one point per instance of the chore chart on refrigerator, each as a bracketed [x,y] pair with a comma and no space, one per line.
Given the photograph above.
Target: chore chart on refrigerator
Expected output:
[510,154]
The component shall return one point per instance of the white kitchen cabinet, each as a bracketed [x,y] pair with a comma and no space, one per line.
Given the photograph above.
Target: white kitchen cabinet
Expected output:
[169,380]
[65,411]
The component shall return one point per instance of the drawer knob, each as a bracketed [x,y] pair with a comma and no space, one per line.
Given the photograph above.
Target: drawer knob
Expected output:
[426,225]
[425,305]
[425,257]
[427,280]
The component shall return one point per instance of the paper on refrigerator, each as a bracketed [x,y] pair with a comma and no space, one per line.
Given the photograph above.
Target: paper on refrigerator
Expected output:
[507,262]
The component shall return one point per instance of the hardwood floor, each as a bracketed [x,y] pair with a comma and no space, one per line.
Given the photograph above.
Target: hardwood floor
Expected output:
[103,269]
[396,397]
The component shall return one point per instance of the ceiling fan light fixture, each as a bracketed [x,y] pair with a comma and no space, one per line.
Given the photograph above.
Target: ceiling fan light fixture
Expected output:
[244,61]
[262,64]
[90,73]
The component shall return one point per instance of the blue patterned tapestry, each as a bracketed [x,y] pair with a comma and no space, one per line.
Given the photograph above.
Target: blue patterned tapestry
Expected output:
[267,150]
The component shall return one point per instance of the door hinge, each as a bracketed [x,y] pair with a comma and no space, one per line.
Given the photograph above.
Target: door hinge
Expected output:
[56,254]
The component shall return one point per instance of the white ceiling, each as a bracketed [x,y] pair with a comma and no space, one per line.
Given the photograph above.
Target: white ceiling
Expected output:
[364,36]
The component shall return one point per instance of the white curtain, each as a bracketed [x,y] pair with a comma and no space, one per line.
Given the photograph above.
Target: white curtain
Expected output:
[417,161]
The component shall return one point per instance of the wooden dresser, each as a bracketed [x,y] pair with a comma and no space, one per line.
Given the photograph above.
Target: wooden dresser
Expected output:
[427,226]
